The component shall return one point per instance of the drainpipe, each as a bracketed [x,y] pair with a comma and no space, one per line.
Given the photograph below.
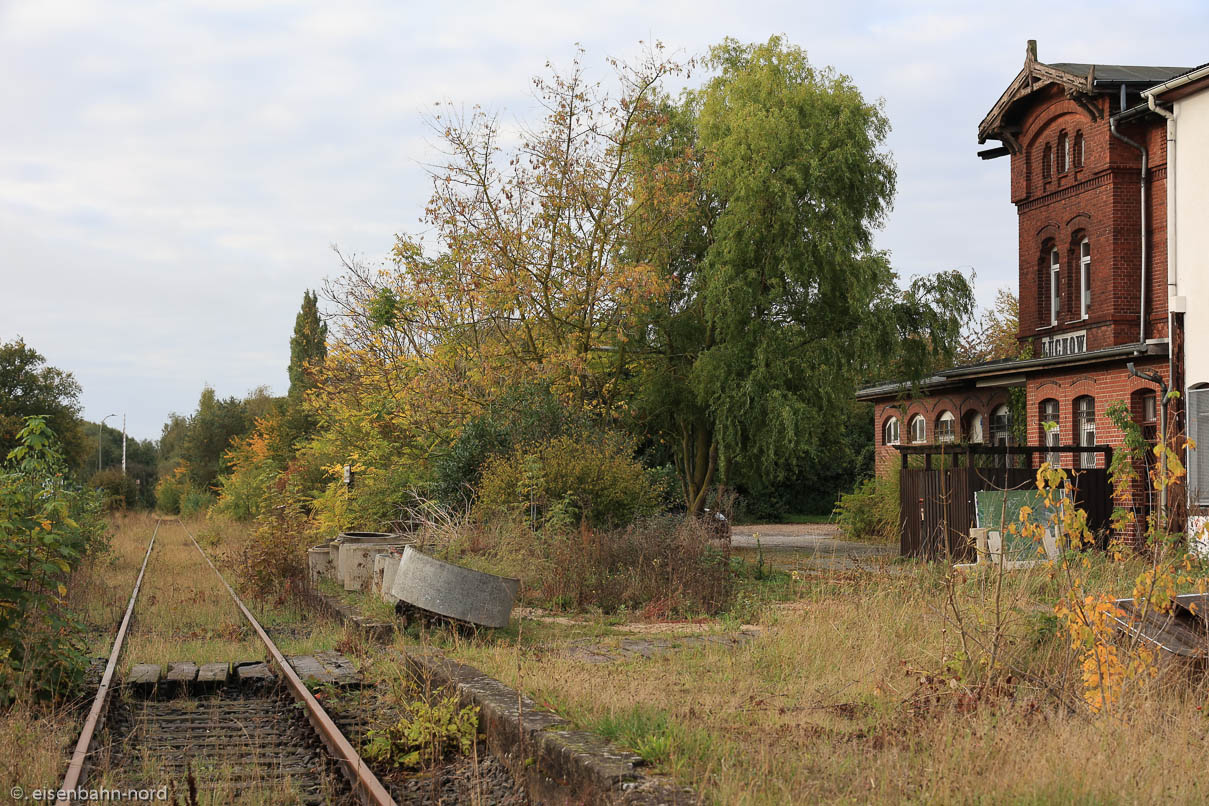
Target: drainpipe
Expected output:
[1112,125]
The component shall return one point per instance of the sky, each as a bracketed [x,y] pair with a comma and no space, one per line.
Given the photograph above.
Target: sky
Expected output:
[174,175]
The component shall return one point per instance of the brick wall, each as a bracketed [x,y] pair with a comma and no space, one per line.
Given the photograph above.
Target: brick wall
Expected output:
[1098,199]
[1106,384]
[963,403]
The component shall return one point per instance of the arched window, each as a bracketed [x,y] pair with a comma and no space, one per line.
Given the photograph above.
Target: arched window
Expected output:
[1001,425]
[1047,162]
[1085,427]
[1080,150]
[1051,435]
[1084,278]
[919,429]
[973,427]
[946,427]
[890,434]
[1063,153]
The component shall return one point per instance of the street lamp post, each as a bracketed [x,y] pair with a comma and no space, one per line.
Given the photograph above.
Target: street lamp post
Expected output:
[100,435]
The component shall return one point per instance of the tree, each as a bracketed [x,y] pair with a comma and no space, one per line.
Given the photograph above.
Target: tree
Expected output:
[777,304]
[308,345]
[992,336]
[29,387]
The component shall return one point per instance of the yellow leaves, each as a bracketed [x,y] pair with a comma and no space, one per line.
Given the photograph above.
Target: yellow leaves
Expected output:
[62,589]
[46,525]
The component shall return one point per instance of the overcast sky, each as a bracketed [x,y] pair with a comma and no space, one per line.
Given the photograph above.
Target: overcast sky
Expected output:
[172,174]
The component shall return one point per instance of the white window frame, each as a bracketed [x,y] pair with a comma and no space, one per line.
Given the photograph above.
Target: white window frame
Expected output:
[1085,429]
[1055,267]
[1064,150]
[1084,278]
[891,432]
[920,425]
[948,434]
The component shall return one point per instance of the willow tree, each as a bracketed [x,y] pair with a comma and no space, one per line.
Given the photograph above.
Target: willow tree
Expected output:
[777,302]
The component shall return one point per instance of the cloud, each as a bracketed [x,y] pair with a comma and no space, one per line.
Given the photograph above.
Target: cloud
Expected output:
[172,175]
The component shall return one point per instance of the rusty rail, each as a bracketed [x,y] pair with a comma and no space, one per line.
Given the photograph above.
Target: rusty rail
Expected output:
[365,783]
[76,767]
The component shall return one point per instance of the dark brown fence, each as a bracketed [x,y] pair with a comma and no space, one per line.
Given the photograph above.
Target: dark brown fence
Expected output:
[936,500]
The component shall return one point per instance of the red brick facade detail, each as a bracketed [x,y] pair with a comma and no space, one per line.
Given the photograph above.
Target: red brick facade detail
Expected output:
[1090,190]
[965,404]
[1078,192]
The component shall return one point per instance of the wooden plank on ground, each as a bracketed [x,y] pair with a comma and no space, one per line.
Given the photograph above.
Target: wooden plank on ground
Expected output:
[213,673]
[184,671]
[144,675]
[340,667]
[310,670]
[253,672]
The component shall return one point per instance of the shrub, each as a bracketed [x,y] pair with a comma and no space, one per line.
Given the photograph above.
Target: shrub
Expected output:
[46,529]
[195,502]
[870,512]
[274,560]
[118,490]
[662,566]
[524,413]
[170,489]
[570,478]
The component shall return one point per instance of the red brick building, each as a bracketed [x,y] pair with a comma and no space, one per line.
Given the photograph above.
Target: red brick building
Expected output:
[1088,168]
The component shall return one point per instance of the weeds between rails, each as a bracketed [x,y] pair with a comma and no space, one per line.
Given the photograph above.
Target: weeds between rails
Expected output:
[177,744]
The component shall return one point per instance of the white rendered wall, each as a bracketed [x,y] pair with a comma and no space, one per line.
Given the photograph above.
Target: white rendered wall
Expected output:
[1192,229]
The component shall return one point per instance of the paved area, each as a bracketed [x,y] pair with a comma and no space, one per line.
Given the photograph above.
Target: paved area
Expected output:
[818,545]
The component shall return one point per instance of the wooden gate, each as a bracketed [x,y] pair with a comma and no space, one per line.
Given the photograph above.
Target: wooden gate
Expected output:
[936,501]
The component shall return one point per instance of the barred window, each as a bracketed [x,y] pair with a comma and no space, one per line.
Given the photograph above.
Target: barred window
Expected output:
[1001,425]
[1085,427]
[946,430]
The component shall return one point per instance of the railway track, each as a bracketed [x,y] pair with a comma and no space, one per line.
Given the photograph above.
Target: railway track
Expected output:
[252,737]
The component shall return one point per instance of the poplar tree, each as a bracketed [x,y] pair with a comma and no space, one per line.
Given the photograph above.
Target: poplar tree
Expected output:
[308,345]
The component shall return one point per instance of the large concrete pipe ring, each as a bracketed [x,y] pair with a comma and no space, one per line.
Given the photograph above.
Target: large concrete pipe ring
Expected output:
[355,557]
[319,562]
[386,565]
[453,591]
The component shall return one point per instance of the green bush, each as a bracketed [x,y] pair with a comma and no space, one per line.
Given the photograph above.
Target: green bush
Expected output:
[46,528]
[870,512]
[118,490]
[525,413]
[571,478]
[169,491]
[195,502]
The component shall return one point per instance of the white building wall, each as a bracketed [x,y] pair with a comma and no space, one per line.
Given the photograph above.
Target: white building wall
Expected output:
[1192,229]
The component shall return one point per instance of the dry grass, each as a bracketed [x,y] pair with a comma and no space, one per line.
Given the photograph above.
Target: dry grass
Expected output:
[855,692]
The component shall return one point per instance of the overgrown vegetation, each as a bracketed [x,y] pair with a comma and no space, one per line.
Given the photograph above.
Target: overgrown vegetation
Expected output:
[47,527]
[430,729]
[871,511]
